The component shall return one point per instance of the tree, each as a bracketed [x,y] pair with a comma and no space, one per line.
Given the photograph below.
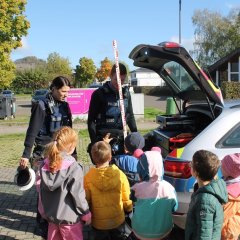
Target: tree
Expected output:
[14,26]
[85,72]
[30,62]
[57,65]
[30,79]
[215,35]
[104,71]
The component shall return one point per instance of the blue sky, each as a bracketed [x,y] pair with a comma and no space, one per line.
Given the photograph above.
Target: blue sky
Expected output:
[77,29]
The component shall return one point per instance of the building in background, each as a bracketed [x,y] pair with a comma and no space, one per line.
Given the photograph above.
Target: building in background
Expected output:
[226,69]
[142,77]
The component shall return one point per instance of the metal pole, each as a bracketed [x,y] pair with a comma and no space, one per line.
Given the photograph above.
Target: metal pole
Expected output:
[180,9]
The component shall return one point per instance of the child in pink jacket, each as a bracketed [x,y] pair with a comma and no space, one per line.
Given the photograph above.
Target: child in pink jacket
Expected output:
[231,174]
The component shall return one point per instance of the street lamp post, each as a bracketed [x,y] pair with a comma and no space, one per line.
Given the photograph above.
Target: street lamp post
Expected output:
[180,9]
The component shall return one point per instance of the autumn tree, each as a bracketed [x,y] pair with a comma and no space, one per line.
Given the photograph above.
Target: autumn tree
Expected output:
[57,65]
[14,26]
[215,35]
[85,72]
[104,71]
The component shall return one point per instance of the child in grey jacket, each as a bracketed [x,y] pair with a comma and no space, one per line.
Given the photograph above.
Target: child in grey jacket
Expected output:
[61,193]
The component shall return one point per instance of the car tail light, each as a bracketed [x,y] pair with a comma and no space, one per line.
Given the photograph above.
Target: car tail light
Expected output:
[177,169]
[171,45]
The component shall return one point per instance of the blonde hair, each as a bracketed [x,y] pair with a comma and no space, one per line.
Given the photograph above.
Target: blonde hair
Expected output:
[101,152]
[64,140]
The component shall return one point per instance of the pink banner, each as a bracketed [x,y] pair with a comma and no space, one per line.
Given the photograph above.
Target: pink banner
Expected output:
[79,100]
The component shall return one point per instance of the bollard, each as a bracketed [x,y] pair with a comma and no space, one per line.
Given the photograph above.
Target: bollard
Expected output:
[171,106]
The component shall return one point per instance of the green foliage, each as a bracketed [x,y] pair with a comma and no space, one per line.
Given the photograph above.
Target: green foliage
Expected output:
[33,73]
[13,25]
[30,79]
[231,90]
[31,62]
[58,66]
[215,35]
[153,91]
[85,72]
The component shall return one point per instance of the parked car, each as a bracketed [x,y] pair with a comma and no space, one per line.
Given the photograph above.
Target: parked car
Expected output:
[95,85]
[7,93]
[39,94]
[203,120]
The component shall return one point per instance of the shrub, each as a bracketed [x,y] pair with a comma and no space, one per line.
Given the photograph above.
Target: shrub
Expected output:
[230,90]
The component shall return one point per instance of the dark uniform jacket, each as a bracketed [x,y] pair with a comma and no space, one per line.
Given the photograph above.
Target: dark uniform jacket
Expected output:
[104,112]
[46,117]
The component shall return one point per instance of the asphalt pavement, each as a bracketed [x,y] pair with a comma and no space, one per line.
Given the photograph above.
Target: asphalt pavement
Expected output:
[18,208]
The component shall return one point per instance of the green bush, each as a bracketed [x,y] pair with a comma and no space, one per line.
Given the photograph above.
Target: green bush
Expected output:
[231,90]
[153,91]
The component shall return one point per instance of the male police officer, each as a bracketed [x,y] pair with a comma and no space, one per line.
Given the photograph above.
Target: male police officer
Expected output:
[104,114]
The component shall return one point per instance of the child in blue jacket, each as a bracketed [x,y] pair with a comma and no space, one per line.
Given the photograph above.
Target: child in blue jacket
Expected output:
[134,142]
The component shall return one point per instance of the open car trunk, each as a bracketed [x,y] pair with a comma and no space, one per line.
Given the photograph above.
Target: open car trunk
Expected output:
[201,100]
[175,131]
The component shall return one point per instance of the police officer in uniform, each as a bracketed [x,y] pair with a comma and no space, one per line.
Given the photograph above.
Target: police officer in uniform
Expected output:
[104,116]
[47,116]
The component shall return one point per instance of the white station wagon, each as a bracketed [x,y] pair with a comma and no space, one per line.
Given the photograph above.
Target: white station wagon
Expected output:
[203,120]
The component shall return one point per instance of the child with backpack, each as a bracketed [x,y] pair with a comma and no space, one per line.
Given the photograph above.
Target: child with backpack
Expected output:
[107,191]
[231,176]
[62,199]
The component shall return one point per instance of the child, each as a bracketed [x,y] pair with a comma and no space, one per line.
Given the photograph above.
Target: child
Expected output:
[205,214]
[107,191]
[62,195]
[156,199]
[231,174]
[134,142]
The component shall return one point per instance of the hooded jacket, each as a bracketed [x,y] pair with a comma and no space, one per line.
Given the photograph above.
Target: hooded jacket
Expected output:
[205,213]
[62,193]
[107,190]
[231,224]
[156,199]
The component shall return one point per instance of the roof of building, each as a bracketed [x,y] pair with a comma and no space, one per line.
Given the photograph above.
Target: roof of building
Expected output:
[224,60]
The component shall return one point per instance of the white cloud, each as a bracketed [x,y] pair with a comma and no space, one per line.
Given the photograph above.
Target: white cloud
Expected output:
[232,6]
[23,51]
[185,42]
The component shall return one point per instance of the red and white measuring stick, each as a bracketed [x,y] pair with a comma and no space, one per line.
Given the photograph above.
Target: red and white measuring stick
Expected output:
[115,49]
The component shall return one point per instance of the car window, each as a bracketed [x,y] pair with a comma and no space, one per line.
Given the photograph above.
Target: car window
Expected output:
[40,92]
[179,76]
[232,139]
[7,92]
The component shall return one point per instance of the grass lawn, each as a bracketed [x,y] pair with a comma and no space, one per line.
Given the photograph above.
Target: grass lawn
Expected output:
[151,113]
[11,145]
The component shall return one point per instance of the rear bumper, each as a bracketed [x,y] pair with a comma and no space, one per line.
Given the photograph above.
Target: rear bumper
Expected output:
[179,218]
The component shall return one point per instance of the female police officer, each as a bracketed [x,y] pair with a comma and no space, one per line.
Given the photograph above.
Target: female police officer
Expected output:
[47,116]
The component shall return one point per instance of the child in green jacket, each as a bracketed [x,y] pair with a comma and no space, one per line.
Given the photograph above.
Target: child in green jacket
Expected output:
[205,214]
